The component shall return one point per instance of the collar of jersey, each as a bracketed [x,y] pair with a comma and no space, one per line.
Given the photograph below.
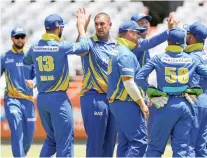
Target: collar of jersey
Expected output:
[15,52]
[127,43]
[194,47]
[174,49]
[48,36]
[111,40]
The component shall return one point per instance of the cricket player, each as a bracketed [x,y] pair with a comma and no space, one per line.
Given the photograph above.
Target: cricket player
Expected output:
[18,98]
[125,100]
[143,55]
[175,71]
[49,56]
[98,121]
[144,21]
[196,35]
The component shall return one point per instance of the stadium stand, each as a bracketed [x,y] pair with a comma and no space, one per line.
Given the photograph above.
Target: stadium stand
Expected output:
[32,18]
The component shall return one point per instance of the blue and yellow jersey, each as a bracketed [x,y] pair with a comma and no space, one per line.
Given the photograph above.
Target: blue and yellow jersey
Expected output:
[196,51]
[122,63]
[141,51]
[174,69]
[95,65]
[49,56]
[16,73]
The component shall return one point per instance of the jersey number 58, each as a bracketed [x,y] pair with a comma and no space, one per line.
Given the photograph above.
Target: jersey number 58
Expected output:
[173,75]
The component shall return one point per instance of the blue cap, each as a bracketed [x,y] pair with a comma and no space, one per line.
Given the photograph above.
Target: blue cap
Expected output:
[137,17]
[131,25]
[53,21]
[177,36]
[198,30]
[17,31]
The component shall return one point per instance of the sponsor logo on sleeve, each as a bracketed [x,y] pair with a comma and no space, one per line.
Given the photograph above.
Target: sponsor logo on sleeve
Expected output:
[9,60]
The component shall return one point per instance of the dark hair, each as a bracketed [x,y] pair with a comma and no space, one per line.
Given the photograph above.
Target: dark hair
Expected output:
[50,30]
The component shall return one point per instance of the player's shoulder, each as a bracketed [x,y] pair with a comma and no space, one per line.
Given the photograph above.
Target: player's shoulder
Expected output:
[123,50]
[159,56]
[199,53]
[8,55]
[8,52]
[2,55]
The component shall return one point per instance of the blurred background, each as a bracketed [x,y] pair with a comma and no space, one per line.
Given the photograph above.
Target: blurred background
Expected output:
[31,14]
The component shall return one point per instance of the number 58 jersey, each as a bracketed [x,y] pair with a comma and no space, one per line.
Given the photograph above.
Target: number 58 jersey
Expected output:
[49,56]
[174,71]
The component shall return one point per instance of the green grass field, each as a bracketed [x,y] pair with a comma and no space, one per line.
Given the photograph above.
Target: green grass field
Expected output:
[79,150]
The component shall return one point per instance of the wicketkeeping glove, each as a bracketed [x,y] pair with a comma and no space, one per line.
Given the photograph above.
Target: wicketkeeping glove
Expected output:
[159,102]
[158,98]
[154,92]
[192,93]
[194,90]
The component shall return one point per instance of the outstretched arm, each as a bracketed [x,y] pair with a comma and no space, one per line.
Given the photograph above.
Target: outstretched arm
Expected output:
[158,39]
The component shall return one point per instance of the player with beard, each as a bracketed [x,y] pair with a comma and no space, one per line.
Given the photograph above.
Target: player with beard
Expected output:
[49,56]
[18,99]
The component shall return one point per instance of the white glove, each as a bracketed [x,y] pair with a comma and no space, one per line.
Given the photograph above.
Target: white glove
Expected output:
[159,102]
[190,98]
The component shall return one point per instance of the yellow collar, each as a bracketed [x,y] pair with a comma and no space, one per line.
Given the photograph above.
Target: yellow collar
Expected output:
[47,37]
[95,39]
[174,49]
[127,43]
[194,47]
[15,52]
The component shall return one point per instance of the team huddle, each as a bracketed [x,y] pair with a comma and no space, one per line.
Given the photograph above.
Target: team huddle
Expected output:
[116,97]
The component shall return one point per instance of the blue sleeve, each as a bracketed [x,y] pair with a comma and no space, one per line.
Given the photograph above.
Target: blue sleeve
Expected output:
[80,48]
[201,70]
[142,75]
[33,72]
[34,79]
[196,77]
[152,42]
[1,65]
[127,66]
[28,57]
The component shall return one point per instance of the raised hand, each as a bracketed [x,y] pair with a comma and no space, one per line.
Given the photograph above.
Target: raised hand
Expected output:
[172,20]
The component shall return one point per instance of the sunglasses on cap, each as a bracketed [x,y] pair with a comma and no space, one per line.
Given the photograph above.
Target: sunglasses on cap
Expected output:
[22,36]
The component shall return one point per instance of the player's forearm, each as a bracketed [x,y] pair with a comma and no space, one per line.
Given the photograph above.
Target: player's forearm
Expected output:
[141,102]
[156,40]
[142,81]
[132,89]
[142,75]
[81,30]
[201,70]
[147,44]
[78,38]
